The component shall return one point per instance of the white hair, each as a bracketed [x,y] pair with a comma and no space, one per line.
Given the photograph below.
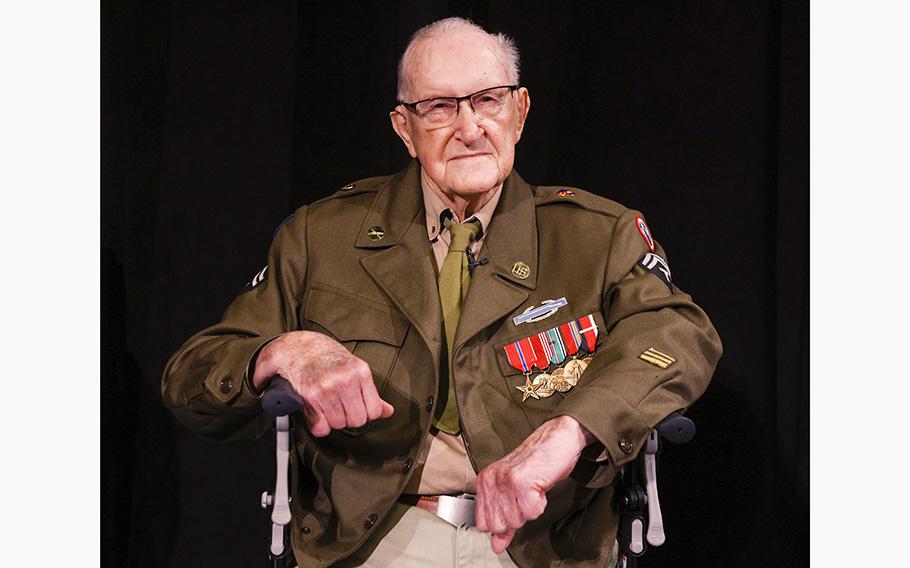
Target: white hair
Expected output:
[508,52]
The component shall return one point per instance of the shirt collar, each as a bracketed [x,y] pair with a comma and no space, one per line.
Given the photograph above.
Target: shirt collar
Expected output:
[436,210]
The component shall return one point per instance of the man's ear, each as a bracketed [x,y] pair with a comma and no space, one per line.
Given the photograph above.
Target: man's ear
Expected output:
[400,126]
[524,107]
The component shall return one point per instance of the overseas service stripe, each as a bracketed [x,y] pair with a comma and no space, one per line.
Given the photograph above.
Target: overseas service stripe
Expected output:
[655,357]
[660,355]
[654,361]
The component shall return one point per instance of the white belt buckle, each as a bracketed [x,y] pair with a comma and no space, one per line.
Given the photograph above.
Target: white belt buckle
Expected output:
[458,510]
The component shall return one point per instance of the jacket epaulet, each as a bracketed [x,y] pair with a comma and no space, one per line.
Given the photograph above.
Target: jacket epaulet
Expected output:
[548,195]
[371,184]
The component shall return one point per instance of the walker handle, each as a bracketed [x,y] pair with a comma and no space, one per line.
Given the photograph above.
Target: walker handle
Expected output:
[280,398]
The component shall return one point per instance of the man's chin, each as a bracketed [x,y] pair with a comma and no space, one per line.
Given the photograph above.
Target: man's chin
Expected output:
[473,190]
[474,185]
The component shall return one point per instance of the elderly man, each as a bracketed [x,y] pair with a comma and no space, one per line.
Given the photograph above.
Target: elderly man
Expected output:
[462,341]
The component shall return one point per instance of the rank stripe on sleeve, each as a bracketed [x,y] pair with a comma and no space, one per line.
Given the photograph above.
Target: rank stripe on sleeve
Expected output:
[656,265]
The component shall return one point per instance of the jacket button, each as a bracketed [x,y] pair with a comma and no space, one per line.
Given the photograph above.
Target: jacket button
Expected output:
[626,445]
[429,405]
[226,384]
[408,464]
[370,521]
[305,530]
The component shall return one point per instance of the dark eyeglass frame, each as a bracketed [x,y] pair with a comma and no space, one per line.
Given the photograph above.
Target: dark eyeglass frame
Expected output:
[413,106]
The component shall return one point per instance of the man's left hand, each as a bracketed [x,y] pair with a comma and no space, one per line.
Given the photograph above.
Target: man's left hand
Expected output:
[512,490]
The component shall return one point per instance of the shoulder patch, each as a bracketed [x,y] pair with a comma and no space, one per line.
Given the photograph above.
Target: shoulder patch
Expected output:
[555,194]
[645,232]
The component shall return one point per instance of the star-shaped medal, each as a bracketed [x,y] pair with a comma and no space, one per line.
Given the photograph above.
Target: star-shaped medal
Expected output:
[529,389]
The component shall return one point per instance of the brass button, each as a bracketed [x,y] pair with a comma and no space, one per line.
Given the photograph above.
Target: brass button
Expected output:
[305,530]
[226,384]
[626,445]
[348,187]
[429,405]
[408,464]
[370,521]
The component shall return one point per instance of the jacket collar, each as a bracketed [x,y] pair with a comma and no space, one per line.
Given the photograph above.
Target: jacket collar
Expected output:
[394,209]
[510,238]
[403,267]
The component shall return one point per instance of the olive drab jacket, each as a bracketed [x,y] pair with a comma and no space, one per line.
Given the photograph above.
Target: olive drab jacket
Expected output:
[358,267]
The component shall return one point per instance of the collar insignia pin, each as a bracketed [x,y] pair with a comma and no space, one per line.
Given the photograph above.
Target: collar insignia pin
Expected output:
[521,270]
[376,233]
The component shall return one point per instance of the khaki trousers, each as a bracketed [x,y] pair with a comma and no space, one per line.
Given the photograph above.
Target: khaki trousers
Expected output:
[422,539]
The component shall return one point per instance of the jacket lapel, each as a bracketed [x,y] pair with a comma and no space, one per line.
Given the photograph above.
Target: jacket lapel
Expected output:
[496,289]
[402,264]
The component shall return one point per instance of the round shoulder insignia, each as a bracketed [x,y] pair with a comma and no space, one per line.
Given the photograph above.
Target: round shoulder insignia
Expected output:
[645,233]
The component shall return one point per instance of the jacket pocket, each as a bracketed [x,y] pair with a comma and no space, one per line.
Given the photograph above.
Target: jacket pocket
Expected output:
[372,331]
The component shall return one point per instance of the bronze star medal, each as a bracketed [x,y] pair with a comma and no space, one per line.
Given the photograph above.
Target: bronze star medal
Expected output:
[529,389]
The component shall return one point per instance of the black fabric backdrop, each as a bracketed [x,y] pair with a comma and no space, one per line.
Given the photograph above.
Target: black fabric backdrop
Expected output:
[219,118]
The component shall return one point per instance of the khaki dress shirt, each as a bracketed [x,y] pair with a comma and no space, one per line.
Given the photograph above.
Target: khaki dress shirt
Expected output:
[445,468]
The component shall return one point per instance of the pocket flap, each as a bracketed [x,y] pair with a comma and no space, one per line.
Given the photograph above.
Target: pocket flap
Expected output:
[352,318]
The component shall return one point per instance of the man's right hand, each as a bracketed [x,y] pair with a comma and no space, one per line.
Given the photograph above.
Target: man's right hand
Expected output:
[336,387]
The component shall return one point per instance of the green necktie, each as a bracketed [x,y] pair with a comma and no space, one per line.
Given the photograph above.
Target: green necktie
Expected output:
[454,279]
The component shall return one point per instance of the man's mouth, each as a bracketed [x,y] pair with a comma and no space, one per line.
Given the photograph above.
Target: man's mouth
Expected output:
[474,155]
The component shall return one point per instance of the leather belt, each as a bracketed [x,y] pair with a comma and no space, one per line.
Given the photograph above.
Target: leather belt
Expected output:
[457,510]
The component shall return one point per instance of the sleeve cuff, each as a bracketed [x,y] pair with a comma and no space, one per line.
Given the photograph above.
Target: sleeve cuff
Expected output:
[230,382]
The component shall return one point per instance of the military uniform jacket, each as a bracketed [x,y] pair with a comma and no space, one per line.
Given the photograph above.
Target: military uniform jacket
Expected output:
[329,272]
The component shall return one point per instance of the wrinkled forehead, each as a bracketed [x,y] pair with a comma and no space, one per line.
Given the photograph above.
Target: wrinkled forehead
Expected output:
[456,64]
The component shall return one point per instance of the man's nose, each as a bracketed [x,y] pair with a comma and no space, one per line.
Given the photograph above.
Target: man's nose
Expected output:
[467,123]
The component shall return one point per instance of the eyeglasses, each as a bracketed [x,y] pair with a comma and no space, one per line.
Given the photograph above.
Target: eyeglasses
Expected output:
[441,111]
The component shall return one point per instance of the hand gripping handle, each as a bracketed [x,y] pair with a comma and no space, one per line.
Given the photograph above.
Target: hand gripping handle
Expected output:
[280,398]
